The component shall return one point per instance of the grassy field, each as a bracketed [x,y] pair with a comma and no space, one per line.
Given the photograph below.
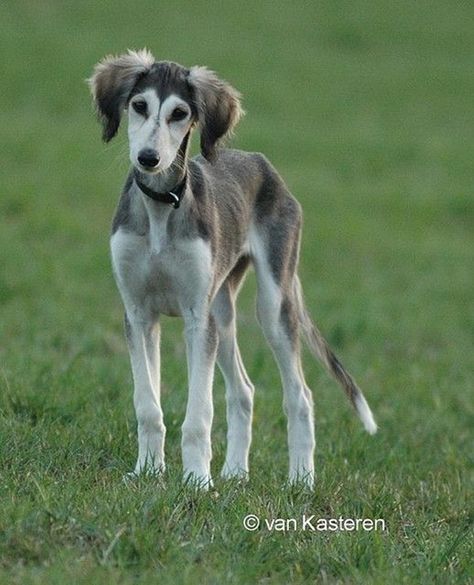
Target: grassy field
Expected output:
[367,110]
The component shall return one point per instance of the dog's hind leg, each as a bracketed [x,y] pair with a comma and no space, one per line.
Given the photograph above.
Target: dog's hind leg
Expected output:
[239,389]
[275,253]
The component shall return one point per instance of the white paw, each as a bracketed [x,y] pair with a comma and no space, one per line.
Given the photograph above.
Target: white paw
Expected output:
[202,482]
[234,472]
[302,478]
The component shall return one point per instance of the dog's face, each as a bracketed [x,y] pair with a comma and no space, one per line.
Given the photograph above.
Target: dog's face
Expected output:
[161,113]
[164,101]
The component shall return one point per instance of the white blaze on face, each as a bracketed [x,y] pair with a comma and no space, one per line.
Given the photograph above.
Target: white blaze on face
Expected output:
[156,125]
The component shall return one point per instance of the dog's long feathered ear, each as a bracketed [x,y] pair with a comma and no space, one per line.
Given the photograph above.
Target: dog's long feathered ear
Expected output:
[111,83]
[218,108]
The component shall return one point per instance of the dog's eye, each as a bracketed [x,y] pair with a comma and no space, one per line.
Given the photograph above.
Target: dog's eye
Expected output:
[178,114]
[139,107]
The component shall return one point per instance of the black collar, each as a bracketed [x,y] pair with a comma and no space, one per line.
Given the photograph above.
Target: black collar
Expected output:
[172,197]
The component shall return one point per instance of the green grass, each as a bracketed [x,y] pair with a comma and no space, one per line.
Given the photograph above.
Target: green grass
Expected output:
[367,110]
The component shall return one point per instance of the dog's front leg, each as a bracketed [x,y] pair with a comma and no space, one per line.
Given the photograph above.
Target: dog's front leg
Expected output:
[143,337]
[201,341]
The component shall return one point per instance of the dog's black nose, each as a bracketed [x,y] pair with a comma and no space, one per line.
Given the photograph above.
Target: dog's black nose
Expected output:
[148,158]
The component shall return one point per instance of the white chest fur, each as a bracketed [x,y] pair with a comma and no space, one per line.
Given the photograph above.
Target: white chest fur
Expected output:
[156,275]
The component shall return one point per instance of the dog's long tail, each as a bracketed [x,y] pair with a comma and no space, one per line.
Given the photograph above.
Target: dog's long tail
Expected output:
[323,352]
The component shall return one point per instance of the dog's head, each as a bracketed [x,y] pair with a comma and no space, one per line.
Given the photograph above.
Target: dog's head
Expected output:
[164,102]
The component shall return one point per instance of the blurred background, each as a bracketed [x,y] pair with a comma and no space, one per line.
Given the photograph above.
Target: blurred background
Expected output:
[366,108]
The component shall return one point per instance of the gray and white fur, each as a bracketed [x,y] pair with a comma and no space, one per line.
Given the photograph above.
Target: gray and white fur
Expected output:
[234,210]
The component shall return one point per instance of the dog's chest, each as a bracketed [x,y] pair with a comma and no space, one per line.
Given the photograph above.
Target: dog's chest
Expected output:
[168,278]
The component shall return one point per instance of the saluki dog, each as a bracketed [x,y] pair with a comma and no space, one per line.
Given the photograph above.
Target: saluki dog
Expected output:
[184,233]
